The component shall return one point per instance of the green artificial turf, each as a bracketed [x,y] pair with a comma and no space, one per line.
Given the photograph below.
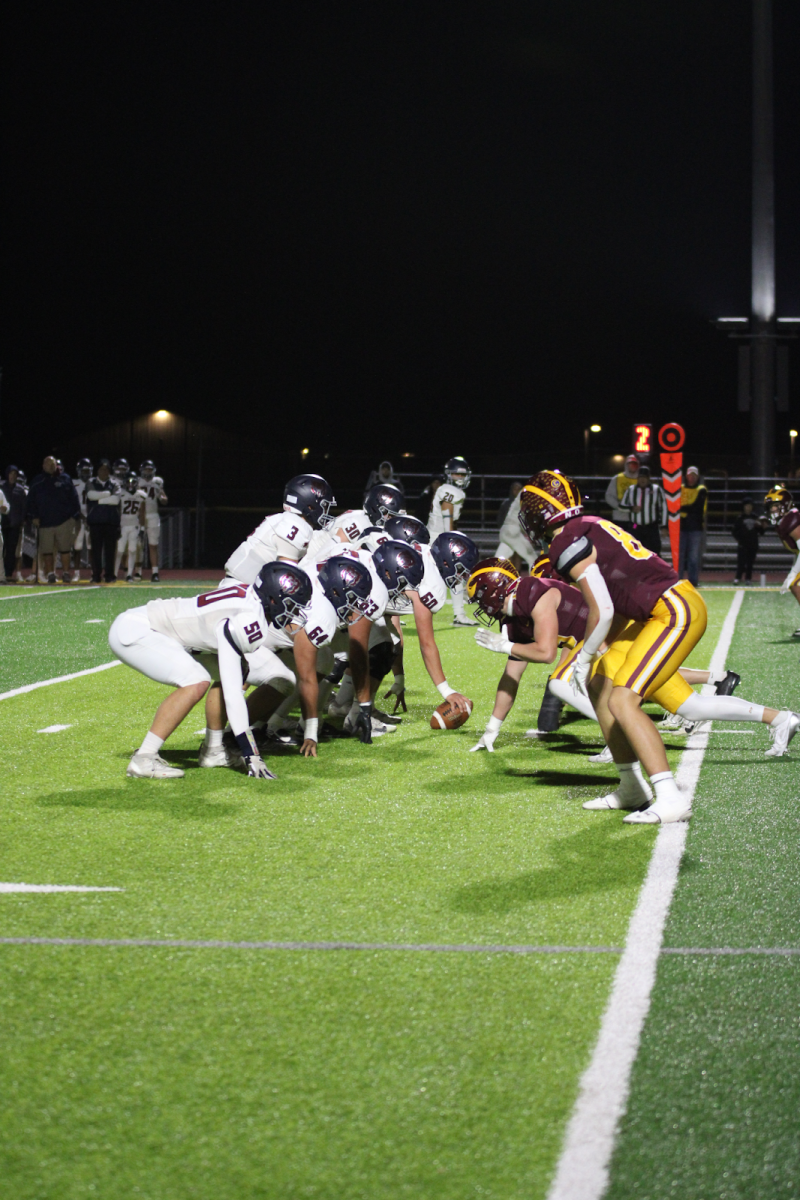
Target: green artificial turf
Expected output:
[715,1093]
[411,840]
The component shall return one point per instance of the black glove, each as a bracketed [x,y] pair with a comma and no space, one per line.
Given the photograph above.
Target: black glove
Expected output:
[363,724]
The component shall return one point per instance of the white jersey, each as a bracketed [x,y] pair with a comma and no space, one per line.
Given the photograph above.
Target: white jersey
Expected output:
[80,487]
[448,493]
[130,503]
[153,489]
[352,523]
[512,539]
[433,589]
[193,621]
[321,625]
[284,535]
[375,604]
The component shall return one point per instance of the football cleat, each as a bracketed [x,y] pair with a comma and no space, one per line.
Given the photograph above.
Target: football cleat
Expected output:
[151,766]
[632,793]
[781,732]
[462,619]
[605,756]
[666,811]
[728,685]
[379,728]
[671,723]
[489,586]
[76,576]
[220,756]
[51,578]
[547,501]
[796,633]
[137,575]
[385,719]
[129,579]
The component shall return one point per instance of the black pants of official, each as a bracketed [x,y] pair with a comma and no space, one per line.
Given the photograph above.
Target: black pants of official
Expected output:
[745,557]
[10,540]
[104,548]
[649,536]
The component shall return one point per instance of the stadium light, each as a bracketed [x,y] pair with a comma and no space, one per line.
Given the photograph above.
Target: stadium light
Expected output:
[595,428]
[162,415]
[304,452]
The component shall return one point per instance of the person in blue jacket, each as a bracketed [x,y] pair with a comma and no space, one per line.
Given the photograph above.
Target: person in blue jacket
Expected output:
[53,504]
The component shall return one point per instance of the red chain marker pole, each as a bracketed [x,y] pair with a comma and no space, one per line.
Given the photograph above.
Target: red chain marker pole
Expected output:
[671,438]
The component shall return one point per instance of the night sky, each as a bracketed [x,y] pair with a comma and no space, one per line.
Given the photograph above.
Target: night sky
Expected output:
[448,227]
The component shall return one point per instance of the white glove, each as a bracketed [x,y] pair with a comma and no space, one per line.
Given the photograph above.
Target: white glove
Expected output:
[257,768]
[580,674]
[486,742]
[787,583]
[140,494]
[493,641]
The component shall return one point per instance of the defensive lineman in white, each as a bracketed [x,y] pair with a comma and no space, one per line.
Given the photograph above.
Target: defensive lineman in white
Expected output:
[232,624]
[446,507]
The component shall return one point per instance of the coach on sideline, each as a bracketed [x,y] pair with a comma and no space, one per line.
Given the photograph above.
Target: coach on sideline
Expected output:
[53,504]
[103,496]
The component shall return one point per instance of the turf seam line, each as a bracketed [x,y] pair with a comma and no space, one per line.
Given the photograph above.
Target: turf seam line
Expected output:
[31,687]
[92,587]
[582,1172]
[196,944]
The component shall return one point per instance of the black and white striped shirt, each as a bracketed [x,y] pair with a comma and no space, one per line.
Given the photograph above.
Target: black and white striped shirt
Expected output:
[650,501]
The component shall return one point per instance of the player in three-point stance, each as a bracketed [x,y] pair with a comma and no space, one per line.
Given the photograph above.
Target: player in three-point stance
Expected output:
[446,506]
[186,642]
[782,513]
[622,582]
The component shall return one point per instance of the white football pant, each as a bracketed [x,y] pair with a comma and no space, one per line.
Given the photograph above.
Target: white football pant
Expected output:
[155,655]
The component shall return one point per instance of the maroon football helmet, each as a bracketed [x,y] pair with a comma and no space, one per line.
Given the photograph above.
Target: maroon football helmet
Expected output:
[547,500]
[490,585]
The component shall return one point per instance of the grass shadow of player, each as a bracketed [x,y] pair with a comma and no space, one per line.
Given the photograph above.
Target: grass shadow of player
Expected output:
[142,795]
[560,778]
[592,861]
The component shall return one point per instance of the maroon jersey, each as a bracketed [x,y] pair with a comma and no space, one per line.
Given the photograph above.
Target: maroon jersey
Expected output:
[786,527]
[636,578]
[572,610]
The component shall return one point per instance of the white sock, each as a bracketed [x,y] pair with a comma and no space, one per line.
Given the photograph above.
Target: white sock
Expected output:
[665,785]
[781,717]
[720,708]
[562,691]
[151,745]
[213,738]
[630,777]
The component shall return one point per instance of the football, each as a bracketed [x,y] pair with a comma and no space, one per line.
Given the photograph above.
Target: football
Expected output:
[447,716]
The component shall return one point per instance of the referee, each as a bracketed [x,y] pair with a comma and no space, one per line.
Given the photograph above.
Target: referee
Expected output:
[647,505]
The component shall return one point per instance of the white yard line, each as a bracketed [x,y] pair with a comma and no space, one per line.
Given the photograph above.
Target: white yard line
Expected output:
[73,591]
[582,1171]
[52,887]
[31,687]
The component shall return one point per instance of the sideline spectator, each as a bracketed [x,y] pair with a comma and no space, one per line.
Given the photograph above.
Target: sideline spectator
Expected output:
[617,488]
[384,474]
[422,509]
[103,496]
[53,505]
[16,494]
[746,529]
[694,501]
[502,512]
[647,504]
[4,508]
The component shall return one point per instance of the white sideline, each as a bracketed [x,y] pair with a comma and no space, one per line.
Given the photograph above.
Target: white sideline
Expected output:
[583,1168]
[92,587]
[53,887]
[31,687]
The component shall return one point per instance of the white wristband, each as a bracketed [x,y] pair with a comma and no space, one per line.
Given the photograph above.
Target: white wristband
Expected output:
[493,724]
[444,689]
[400,680]
[310,728]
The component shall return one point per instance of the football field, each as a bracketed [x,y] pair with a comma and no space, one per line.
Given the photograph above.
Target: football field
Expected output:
[384,973]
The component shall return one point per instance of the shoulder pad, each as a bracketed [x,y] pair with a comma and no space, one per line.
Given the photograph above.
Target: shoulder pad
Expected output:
[576,552]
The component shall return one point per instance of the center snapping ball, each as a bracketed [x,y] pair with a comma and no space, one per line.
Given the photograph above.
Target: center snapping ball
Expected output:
[447,716]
